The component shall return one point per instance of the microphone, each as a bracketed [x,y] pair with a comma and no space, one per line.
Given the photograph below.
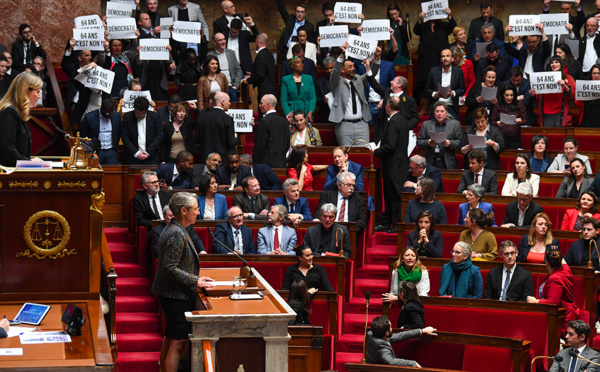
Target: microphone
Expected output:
[576,355]
[67,135]
[557,358]
[337,244]
[251,280]
[364,356]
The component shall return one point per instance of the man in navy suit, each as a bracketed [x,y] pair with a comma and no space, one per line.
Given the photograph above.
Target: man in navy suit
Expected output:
[25,50]
[350,205]
[438,77]
[296,205]
[231,174]
[309,65]
[509,282]
[267,179]
[503,64]
[578,253]
[234,234]
[140,149]
[478,174]
[272,139]
[520,213]
[221,25]
[177,175]
[418,168]
[103,127]
[342,164]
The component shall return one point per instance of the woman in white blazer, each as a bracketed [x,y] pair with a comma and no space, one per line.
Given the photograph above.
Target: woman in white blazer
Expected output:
[521,173]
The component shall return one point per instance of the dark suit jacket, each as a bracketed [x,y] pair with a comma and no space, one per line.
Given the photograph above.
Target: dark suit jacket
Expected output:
[521,284]
[313,240]
[454,134]
[381,352]
[333,170]
[309,69]
[386,74]
[262,202]
[356,207]
[512,213]
[290,21]
[142,211]
[15,138]
[90,127]
[539,56]
[574,256]
[457,84]
[244,40]
[300,207]
[503,66]
[492,157]
[430,171]
[587,353]
[267,179]
[263,73]
[215,132]
[190,229]
[165,171]
[154,137]
[582,46]
[475,29]
[489,181]
[224,176]
[393,151]
[272,141]
[222,25]
[223,233]
[322,87]
[18,54]
[164,114]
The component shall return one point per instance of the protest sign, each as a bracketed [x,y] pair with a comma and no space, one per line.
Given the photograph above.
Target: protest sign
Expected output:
[376,29]
[333,36]
[360,47]
[130,95]
[165,25]
[88,39]
[89,21]
[96,78]
[116,9]
[241,120]
[587,90]
[154,50]
[554,24]
[524,25]
[187,32]
[121,28]
[434,9]
[545,82]
[347,12]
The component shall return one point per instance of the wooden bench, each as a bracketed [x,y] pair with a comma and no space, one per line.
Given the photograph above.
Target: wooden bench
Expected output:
[305,348]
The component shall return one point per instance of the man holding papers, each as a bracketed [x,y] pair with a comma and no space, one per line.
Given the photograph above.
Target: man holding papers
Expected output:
[440,137]
[445,84]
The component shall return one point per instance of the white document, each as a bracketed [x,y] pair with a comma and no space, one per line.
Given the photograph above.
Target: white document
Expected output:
[241,119]
[508,119]
[154,50]
[329,99]
[187,32]
[376,29]
[481,47]
[121,28]
[44,338]
[347,12]
[130,95]
[11,351]
[434,9]
[89,21]
[489,94]
[587,90]
[18,330]
[360,47]
[438,137]
[412,142]
[374,146]
[443,91]
[524,24]
[165,25]
[333,36]
[476,141]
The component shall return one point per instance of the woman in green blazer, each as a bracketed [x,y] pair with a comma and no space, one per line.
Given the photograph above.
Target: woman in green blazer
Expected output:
[298,91]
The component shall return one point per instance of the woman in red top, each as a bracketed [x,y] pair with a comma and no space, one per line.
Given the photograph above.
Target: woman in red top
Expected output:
[587,206]
[555,108]
[466,66]
[299,169]
[557,289]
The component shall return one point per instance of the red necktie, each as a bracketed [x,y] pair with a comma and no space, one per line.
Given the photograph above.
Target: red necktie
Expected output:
[476,177]
[342,211]
[276,242]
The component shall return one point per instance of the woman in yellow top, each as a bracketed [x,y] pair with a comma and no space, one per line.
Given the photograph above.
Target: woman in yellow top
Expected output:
[483,242]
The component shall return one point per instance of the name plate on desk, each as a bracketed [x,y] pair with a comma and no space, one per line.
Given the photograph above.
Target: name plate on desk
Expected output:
[11,351]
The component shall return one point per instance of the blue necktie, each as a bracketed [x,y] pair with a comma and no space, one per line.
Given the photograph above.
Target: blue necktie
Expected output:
[506,283]
[573,362]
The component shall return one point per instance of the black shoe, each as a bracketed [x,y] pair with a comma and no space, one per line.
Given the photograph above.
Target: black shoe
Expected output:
[393,230]
[382,228]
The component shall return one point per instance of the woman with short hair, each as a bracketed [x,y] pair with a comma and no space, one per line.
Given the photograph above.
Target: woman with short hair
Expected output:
[459,277]
[474,196]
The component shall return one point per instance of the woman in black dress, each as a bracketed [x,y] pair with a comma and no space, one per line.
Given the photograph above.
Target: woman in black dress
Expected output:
[299,301]
[314,275]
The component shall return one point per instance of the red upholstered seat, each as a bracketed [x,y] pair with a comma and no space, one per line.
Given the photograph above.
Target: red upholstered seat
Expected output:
[431,354]
[476,356]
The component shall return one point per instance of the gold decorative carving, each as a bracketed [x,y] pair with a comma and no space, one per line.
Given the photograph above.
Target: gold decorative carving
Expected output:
[95,184]
[97,201]
[49,229]
[0,184]
[15,184]
[63,184]
[47,184]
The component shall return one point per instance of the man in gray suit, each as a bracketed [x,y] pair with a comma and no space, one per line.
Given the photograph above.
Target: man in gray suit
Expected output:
[228,64]
[573,356]
[350,108]
[380,338]
[276,238]
[440,155]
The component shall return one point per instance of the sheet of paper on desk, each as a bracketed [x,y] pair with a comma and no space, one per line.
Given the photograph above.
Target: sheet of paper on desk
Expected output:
[508,119]
[44,338]
[223,282]
[438,137]
[17,330]
[477,141]
[11,351]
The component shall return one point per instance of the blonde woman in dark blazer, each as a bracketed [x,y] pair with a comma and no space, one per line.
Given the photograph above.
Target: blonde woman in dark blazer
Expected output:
[213,80]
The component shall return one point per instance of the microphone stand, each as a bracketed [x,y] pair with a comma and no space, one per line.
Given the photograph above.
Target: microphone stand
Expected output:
[575,355]
[341,249]
[251,280]
[557,358]
[364,356]
[409,34]
[590,265]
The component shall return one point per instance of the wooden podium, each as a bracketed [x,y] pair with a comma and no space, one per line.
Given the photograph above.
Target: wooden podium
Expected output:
[249,332]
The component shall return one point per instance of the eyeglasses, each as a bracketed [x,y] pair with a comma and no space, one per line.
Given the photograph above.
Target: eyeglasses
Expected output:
[237,216]
[509,254]
[349,185]
[457,253]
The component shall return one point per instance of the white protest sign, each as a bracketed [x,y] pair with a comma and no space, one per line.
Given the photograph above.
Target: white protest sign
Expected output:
[434,9]
[187,32]
[241,120]
[96,78]
[554,24]
[545,82]
[130,95]
[376,29]
[132,2]
[524,25]
[121,28]
[118,10]
[587,90]
[154,50]
[333,36]
[88,39]
[165,25]
[347,12]
[89,21]
[360,47]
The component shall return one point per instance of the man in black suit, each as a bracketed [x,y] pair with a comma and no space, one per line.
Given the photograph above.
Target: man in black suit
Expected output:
[477,174]
[292,22]
[231,174]
[578,253]
[212,163]
[417,169]
[102,126]
[520,213]
[567,7]
[5,78]
[538,49]
[509,282]
[322,88]
[164,113]
[267,179]
[215,130]
[176,175]
[234,234]
[309,65]
[486,10]
[254,204]
[221,25]
[324,237]
[435,81]
[272,139]
[239,41]
[263,71]
[350,206]
[523,87]
[167,214]
[588,57]
[503,64]
[25,50]
[328,20]
[147,204]
[393,158]
[137,122]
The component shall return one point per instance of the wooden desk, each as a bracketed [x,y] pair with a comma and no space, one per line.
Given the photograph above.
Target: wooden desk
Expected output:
[88,352]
